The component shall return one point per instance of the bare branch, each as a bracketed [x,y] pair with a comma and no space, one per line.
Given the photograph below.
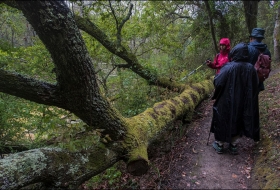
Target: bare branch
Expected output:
[108,74]
[114,14]
[122,24]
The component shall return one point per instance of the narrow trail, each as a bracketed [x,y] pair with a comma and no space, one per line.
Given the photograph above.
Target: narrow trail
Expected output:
[196,165]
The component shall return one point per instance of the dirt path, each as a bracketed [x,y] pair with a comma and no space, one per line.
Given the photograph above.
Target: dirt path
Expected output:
[195,165]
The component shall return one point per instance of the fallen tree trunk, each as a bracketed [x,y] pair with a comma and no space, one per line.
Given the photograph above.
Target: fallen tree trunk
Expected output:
[152,123]
[53,167]
[65,169]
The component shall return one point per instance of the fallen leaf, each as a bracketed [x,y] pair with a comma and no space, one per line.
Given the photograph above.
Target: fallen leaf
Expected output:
[234,175]
[194,151]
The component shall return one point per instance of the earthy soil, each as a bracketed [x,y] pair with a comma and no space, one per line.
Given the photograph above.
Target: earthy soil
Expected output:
[192,164]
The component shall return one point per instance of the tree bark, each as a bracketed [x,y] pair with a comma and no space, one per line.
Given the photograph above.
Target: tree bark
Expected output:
[212,28]
[251,13]
[276,36]
[224,29]
[53,167]
[76,90]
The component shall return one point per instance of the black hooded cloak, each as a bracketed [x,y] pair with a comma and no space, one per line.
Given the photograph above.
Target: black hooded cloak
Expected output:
[236,111]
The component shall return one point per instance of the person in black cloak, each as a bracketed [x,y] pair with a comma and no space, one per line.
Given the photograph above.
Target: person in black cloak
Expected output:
[235,110]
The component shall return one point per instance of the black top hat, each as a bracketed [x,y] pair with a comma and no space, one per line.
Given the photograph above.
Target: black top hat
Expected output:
[257,33]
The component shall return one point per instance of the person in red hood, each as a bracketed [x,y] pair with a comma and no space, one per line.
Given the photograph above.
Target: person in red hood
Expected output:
[222,57]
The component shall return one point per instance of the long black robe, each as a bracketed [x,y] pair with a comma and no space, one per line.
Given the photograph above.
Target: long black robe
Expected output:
[235,111]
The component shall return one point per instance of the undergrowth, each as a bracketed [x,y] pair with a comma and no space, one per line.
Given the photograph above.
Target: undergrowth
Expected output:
[266,173]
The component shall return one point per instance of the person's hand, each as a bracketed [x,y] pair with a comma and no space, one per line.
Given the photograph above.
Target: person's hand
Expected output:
[208,62]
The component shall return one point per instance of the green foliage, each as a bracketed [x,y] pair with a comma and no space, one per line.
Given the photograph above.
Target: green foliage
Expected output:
[112,178]
[12,28]
[266,20]
[34,61]
[4,45]
[29,123]
[131,92]
[111,175]
[4,59]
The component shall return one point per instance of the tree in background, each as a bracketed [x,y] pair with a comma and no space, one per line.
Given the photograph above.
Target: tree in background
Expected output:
[276,36]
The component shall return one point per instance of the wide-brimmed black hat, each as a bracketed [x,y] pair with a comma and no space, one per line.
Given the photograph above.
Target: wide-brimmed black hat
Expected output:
[257,33]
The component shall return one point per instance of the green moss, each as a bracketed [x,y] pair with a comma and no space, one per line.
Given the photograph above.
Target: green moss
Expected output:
[148,125]
[139,153]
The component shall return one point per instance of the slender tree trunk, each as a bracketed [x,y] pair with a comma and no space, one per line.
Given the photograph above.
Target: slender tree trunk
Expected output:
[276,36]
[212,28]
[251,13]
[224,26]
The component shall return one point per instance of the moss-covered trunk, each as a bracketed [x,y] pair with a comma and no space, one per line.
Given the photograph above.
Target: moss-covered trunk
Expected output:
[148,126]
[61,168]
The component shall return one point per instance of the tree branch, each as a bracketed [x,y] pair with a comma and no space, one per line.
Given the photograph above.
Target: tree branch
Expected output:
[29,88]
[122,24]
[90,28]
[211,25]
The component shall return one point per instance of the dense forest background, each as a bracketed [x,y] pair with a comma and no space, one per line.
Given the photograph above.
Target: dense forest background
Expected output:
[165,41]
